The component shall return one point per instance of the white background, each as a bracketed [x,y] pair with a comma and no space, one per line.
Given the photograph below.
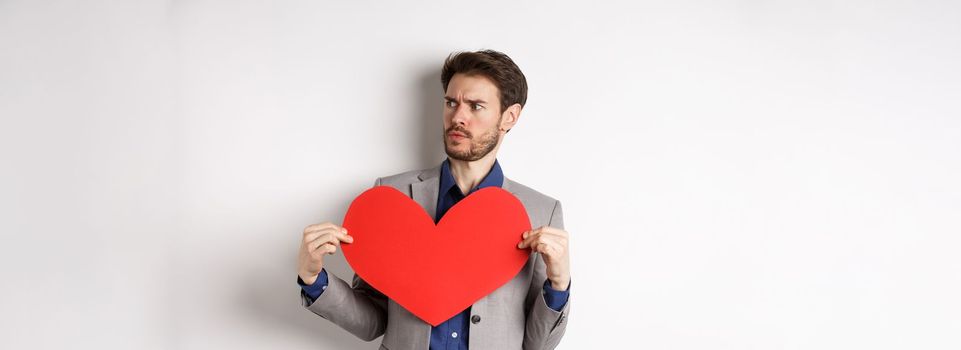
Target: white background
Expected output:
[735,174]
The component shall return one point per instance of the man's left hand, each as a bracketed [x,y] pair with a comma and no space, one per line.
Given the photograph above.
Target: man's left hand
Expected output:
[552,244]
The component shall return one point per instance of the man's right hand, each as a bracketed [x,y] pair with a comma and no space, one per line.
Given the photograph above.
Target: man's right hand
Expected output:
[319,240]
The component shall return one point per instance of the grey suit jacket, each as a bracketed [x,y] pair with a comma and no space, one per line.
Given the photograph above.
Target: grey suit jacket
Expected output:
[515,316]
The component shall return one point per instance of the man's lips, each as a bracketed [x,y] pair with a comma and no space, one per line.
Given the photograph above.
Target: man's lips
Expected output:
[455,135]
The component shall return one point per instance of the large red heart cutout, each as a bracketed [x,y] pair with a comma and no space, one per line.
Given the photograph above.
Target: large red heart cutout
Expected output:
[436,271]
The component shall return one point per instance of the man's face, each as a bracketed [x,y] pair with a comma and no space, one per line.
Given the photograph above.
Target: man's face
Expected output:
[472,117]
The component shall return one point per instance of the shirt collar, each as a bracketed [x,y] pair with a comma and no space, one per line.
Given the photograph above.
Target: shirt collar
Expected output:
[494,178]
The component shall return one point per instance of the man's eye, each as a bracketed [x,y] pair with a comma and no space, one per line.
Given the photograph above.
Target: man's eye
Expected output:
[477,107]
[451,104]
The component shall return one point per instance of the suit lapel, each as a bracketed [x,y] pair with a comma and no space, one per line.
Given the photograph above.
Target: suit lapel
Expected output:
[506,186]
[425,191]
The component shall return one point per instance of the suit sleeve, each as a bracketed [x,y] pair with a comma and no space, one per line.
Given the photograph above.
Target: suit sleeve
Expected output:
[545,326]
[357,308]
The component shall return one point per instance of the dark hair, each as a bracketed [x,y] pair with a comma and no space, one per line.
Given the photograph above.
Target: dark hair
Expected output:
[492,65]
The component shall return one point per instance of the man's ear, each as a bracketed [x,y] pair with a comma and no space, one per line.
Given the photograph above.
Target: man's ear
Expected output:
[510,117]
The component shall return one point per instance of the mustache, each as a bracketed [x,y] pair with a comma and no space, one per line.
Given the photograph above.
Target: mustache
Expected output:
[459,129]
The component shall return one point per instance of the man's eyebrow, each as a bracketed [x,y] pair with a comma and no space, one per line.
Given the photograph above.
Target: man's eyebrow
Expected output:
[448,98]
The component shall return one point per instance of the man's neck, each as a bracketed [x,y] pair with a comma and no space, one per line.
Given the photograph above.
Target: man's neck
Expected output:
[468,175]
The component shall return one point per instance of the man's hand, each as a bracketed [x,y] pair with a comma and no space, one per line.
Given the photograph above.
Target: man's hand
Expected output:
[552,244]
[319,240]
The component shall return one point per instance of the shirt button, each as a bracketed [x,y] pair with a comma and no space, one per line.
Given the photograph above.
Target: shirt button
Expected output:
[475,319]
[454,335]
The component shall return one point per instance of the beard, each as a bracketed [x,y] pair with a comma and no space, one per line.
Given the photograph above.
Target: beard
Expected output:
[479,147]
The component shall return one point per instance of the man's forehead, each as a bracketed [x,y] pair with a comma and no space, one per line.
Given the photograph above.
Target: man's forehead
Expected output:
[471,87]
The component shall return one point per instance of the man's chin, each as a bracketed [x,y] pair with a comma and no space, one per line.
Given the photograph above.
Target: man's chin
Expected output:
[456,156]
[453,154]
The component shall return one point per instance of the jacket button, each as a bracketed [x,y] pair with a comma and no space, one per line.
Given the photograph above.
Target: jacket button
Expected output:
[475,319]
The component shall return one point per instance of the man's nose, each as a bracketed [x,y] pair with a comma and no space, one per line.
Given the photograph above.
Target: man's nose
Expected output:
[461,114]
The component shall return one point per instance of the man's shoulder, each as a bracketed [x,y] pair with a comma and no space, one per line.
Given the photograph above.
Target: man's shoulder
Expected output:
[526,193]
[541,208]
[520,190]
[408,177]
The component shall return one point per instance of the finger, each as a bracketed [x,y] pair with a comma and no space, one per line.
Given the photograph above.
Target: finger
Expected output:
[531,236]
[335,236]
[527,238]
[330,249]
[319,238]
[539,247]
[557,236]
[312,235]
[545,240]
[552,231]
[547,248]
[327,238]
[548,244]
[323,249]
[534,232]
[341,232]
[332,238]
[320,226]
[315,244]
[545,231]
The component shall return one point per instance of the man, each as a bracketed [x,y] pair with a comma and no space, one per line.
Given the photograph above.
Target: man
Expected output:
[484,95]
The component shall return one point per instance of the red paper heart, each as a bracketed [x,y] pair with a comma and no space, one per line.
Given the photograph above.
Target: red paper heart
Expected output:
[435,272]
